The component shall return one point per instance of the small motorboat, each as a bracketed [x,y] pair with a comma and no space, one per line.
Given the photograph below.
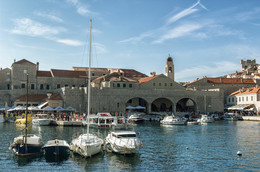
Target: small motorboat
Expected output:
[25,145]
[123,142]
[56,147]
[171,120]
[192,122]
[205,119]
[135,119]
[41,119]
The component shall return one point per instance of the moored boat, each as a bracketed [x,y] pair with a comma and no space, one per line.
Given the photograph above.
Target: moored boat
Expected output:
[123,142]
[56,147]
[41,119]
[135,119]
[86,145]
[172,120]
[25,145]
[205,119]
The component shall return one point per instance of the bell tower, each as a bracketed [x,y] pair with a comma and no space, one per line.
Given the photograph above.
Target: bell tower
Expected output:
[169,68]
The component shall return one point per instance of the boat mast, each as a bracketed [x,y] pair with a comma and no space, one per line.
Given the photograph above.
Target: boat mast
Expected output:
[89,75]
[26,111]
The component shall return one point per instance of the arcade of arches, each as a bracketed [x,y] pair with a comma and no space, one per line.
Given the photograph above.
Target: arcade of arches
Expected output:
[161,105]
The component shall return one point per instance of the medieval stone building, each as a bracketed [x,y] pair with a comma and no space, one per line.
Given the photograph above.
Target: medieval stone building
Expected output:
[111,89]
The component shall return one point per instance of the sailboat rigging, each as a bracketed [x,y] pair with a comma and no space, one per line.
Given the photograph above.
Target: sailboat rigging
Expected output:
[87,144]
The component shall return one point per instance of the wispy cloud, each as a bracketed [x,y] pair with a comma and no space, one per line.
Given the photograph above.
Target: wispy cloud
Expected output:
[136,39]
[177,32]
[210,70]
[81,9]
[26,26]
[49,16]
[70,42]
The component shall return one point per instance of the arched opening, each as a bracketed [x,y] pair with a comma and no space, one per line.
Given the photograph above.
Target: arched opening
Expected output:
[186,105]
[136,104]
[162,105]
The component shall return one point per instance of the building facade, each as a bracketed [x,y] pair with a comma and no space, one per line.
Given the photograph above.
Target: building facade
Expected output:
[111,89]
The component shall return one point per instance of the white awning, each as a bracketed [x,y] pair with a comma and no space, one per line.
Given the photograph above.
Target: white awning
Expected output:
[241,107]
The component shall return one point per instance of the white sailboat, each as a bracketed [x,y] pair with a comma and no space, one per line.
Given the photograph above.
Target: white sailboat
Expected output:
[87,144]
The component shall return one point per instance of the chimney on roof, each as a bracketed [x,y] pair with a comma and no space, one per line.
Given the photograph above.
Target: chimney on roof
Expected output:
[37,66]
[14,60]
[221,81]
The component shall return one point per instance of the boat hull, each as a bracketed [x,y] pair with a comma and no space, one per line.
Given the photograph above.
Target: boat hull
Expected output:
[20,149]
[41,122]
[122,144]
[86,147]
[56,150]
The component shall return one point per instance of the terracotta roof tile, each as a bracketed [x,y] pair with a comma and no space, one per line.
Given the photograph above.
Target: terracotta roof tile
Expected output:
[39,97]
[24,61]
[147,79]
[226,81]
[44,73]
[68,73]
[246,91]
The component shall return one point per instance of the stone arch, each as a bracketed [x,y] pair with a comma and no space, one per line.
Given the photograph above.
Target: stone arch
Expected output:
[137,101]
[161,105]
[186,105]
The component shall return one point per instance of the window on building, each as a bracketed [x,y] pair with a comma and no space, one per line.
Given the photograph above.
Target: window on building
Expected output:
[118,84]
[229,99]
[47,87]
[242,99]
[66,85]
[233,100]
[22,85]
[73,86]
[130,85]
[118,105]
[41,87]
[154,84]
[8,87]
[124,85]
[252,98]
[246,98]
[239,100]
[58,86]
[32,86]
[171,84]
[93,74]
[165,84]
[160,84]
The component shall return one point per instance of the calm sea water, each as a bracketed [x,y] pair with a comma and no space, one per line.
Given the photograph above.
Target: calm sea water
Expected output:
[212,147]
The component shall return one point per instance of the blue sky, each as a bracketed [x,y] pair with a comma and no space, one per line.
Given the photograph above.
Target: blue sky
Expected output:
[205,38]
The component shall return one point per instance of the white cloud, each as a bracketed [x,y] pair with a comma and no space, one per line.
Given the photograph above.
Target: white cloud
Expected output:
[179,31]
[81,9]
[69,42]
[26,26]
[49,16]
[181,15]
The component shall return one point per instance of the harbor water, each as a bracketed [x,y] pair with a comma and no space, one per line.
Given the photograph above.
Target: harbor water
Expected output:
[211,147]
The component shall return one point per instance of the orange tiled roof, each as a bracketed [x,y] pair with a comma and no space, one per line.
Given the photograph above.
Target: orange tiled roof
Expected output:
[68,73]
[230,81]
[114,77]
[39,97]
[44,73]
[246,91]
[226,81]
[24,61]
[147,79]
